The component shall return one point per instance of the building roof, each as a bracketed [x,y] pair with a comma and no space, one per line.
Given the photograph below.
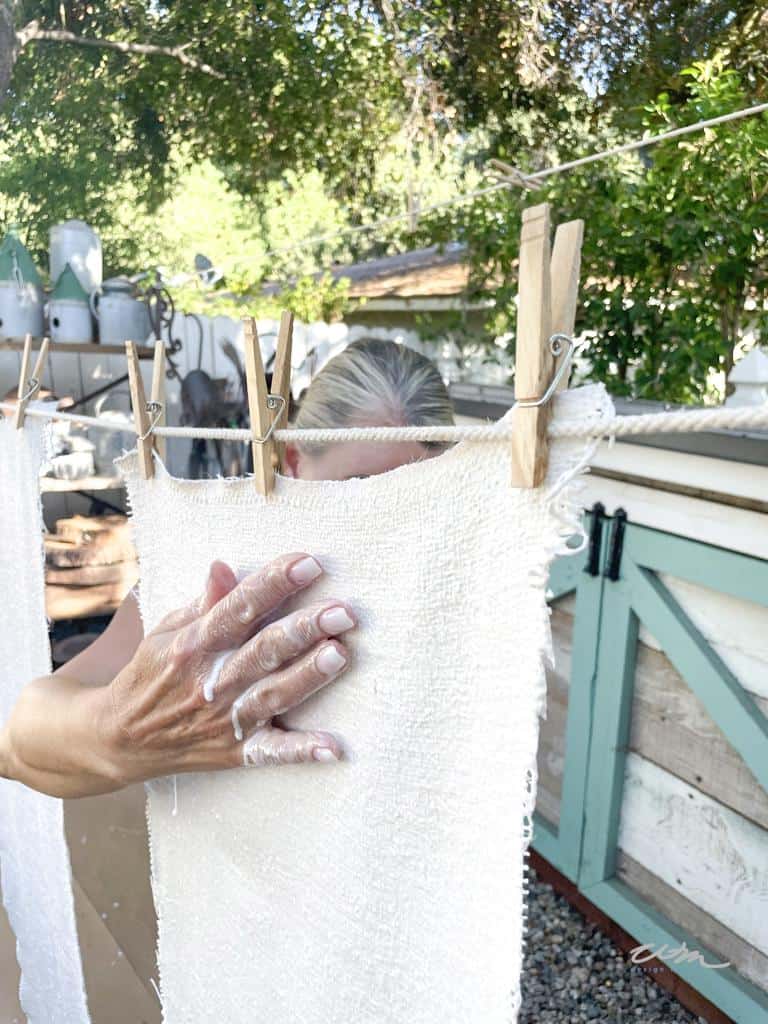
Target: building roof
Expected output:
[439,272]
[436,271]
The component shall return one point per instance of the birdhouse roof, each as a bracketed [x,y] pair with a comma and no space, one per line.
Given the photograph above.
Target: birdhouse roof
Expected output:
[68,286]
[13,254]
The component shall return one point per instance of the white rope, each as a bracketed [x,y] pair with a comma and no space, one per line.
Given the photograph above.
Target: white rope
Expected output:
[680,422]
[92,422]
[521,178]
[683,421]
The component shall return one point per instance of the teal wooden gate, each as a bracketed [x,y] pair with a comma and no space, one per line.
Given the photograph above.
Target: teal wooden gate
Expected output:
[613,595]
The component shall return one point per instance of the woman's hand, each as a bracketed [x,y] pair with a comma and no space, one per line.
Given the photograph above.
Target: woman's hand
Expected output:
[200,692]
[204,685]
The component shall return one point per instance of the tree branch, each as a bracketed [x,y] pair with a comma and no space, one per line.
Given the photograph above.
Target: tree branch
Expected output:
[32,32]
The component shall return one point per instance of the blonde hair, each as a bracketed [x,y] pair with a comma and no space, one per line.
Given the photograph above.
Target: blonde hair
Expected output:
[372,376]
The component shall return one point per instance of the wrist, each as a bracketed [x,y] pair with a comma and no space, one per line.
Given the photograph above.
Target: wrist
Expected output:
[56,739]
[103,746]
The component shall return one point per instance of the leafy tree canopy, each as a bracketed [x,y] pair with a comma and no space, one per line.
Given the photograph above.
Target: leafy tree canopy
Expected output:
[259,88]
[675,255]
[238,129]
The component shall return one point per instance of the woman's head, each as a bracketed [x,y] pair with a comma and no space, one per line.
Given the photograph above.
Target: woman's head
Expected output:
[370,384]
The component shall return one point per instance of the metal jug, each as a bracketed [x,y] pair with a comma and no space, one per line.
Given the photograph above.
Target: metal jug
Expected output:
[121,314]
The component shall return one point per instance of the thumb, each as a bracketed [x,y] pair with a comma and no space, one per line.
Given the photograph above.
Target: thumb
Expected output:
[218,583]
[221,580]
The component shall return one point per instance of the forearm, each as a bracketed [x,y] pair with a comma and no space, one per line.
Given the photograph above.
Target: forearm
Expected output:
[55,739]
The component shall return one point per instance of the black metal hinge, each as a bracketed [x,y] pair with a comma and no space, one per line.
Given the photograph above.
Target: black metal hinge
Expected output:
[613,565]
[595,538]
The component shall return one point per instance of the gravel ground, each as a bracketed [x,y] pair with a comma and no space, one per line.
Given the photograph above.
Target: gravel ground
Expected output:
[574,973]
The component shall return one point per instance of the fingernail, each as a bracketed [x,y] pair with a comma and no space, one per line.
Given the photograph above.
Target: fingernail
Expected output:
[329,660]
[324,754]
[304,571]
[335,620]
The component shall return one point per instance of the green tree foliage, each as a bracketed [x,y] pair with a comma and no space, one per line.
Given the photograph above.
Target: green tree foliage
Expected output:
[675,256]
[484,65]
[298,86]
[286,84]
[238,130]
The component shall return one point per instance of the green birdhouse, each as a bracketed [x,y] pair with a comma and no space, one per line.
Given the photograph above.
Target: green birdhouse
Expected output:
[21,291]
[16,264]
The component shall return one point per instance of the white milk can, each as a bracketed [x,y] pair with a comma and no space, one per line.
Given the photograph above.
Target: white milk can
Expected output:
[75,243]
[122,316]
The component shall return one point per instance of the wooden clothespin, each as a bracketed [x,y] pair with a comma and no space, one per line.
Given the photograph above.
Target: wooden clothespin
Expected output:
[259,408]
[566,265]
[157,396]
[547,295]
[281,381]
[141,418]
[29,386]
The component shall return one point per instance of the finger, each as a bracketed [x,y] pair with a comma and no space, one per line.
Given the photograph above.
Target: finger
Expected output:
[232,621]
[270,745]
[285,689]
[219,582]
[276,644]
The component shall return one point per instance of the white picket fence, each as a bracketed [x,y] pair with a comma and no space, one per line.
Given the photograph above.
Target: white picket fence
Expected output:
[79,374]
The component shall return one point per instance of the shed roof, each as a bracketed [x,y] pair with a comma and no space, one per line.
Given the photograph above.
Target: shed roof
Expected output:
[440,271]
[435,271]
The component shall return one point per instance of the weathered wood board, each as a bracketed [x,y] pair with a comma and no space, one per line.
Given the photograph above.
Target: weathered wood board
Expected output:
[729,947]
[702,849]
[551,754]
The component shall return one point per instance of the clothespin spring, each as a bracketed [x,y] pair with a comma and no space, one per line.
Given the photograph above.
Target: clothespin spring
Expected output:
[33,387]
[555,347]
[273,402]
[155,409]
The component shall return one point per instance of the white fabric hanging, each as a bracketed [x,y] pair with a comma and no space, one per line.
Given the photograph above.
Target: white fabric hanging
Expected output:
[389,887]
[34,860]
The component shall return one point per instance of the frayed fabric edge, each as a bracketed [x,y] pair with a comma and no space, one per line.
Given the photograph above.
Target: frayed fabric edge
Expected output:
[565,516]
[38,435]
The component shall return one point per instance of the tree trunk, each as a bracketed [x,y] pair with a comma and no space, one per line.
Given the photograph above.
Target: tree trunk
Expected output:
[9,47]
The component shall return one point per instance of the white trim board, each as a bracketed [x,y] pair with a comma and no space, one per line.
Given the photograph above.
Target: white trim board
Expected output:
[739,479]
[711,522]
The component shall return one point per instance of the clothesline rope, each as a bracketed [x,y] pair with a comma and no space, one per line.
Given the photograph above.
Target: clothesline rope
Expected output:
[629,147]
[525,178]
[676,422]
